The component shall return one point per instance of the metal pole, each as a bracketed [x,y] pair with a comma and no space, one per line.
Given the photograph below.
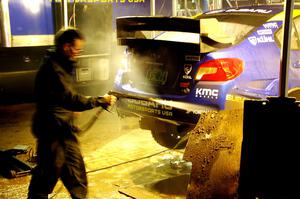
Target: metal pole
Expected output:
[236,4]
[187,10]
[65,12]
[174,7]
[5,31]
[204,5]
[152,7]
[228,2]
[285,49]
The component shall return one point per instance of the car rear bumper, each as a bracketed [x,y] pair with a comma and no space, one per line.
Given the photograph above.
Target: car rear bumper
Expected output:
[158,110]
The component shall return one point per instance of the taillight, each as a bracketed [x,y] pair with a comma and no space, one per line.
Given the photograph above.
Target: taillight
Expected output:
[220,69]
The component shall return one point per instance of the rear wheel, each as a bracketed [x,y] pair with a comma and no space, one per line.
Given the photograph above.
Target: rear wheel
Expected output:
[170,135]
[295,92]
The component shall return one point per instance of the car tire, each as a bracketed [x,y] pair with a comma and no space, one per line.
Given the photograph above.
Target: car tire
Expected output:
[172,136]
[295,92]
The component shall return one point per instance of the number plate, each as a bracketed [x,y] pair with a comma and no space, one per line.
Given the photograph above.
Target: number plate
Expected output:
[157,76]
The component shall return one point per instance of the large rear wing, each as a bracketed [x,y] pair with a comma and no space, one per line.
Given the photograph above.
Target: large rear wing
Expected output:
[129,28]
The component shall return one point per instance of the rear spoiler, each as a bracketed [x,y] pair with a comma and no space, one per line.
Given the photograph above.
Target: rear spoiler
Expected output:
[131,27]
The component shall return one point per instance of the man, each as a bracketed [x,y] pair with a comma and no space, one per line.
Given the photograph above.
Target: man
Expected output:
[58,153]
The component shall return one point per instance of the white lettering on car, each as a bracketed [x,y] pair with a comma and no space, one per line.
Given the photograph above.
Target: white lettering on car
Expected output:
[265,32]
[207,93]
[241,10]
[150,104]
[270,25]
[192,58]
[261,39]
[250,10]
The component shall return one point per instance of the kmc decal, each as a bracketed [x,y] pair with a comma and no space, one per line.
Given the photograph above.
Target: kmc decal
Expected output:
[207,93]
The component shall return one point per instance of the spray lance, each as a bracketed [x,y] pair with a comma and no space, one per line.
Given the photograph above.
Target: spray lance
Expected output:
[82,129]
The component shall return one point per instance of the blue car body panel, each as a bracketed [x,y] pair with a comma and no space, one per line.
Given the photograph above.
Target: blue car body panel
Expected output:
[260,53]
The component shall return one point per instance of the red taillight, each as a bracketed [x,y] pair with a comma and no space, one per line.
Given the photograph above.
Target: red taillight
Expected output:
[220,69]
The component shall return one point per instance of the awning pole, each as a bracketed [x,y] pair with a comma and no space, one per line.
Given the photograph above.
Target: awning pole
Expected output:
[285,49]
[5,32]
[65,12]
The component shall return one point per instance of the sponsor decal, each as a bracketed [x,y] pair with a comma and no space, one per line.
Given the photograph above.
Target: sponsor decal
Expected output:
[270,25]
[235,98]
[150,107]
[187,70]
[184,84]
[250,10]
[296,64]
[150,104]
[263,11]
[215,11]
[261,39]
[192,58]
[265,32]
[207,93]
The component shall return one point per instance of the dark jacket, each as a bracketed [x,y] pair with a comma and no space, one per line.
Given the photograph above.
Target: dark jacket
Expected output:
[56,98]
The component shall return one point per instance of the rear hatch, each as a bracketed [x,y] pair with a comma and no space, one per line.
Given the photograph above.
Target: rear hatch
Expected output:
[155,59]
[158,67]
[165,53]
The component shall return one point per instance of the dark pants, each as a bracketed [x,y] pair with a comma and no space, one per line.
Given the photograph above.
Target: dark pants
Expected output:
[58,158]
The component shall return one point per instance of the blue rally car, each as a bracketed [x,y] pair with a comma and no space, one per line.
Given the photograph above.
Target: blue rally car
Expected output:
[178,68]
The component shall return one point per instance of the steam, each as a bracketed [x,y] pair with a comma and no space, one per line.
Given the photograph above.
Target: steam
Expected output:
[102,53]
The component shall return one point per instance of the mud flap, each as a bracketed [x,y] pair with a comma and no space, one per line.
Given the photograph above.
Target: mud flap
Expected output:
[214,148]
[270,152]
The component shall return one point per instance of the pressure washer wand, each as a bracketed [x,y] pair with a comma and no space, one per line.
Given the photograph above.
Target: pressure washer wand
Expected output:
[119,95]
[91,122]
[94,118]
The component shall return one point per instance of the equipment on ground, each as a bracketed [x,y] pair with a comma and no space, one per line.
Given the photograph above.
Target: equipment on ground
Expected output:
[11,166]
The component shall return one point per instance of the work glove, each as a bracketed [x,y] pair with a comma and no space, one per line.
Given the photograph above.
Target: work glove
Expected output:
[110,99]
[106,101]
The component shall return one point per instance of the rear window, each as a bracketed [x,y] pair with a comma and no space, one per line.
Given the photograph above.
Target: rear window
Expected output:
[218,30]
[185,37]
[295,40]
[230,28]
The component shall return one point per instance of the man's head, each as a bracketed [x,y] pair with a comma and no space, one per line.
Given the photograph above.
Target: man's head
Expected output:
[69,42]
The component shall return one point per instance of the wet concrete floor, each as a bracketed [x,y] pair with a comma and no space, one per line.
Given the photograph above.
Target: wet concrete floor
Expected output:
[122,160]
